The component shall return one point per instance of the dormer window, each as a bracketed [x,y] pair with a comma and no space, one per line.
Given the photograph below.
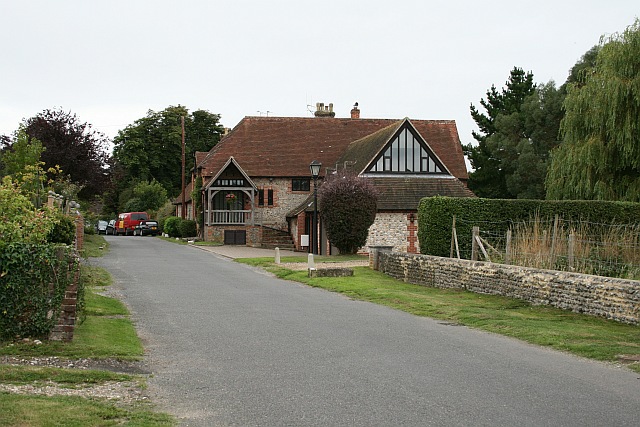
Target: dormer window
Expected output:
[406,153]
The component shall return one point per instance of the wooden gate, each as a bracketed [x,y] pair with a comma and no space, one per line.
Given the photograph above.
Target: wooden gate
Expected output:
[235,237]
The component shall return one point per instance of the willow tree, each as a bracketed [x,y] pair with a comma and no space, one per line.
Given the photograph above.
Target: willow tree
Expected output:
[599,158]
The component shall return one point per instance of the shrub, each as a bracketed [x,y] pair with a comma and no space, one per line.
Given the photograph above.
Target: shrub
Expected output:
[33,279]
[64,231]
[171,226]
[187,228]
[166,211]
[347,205]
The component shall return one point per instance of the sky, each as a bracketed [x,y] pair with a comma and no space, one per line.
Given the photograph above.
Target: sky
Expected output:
[110,62]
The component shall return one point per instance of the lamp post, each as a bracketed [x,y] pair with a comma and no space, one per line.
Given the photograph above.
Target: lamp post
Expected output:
[315,171]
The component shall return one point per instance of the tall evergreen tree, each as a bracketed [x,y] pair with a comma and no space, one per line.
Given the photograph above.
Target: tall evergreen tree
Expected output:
[600,154]
[499,136]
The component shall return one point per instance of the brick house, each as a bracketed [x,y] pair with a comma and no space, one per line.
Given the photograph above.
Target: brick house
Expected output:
[258,190]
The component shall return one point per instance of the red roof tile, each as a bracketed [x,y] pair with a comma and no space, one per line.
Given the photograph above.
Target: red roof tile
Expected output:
[284,146]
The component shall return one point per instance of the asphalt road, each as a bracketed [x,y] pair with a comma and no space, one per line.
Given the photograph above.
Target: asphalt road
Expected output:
[230,345]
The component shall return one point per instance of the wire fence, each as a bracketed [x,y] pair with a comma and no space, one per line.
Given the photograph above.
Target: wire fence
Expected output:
[611,250]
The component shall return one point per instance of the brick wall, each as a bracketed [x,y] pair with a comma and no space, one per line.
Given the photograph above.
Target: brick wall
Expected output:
[616,299]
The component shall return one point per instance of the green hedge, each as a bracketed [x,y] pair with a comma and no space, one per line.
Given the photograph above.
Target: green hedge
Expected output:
[33,281]
[435,216]
[187,228]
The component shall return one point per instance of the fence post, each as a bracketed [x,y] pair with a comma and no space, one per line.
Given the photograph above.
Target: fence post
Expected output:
[571,250]
[454,240]
[552,254]
[474,243]
[507,250]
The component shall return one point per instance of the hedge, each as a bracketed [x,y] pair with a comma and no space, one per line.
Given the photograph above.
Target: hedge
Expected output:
[435,216]
[33,281]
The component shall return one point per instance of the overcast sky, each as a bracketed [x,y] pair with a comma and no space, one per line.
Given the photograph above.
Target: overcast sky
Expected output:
[111,61]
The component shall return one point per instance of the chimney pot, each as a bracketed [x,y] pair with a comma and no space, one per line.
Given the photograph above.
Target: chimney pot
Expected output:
[355,112]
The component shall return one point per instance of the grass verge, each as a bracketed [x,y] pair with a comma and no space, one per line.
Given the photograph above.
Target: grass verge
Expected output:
[106,333]
[582,335]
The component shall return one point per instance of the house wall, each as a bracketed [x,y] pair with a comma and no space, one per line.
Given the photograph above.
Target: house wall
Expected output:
[214,233]
[284,200]
[616,299]
[395,229]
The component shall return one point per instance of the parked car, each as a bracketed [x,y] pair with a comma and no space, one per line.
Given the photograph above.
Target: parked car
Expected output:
[101,227]
[128,221]
[146,228]
[111,227]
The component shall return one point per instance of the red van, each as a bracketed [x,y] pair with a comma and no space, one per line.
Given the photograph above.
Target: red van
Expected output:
[127,222]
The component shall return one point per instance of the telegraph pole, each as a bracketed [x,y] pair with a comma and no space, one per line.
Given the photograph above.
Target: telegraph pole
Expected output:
[184,203]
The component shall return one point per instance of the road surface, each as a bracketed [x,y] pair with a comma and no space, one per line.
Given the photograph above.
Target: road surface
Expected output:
[231,345]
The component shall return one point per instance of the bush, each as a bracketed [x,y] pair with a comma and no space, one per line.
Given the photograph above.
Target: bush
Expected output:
[436,216]
[347,205]
[33,281]
[64,231]
[166,211]
[171,226]
[187,228]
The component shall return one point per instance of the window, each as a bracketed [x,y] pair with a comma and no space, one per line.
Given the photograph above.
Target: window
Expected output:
[406,154]
[261,197]
[298,184]
[229,183]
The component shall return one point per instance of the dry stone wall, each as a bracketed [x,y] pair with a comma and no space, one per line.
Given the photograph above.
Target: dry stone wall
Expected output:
[616,299]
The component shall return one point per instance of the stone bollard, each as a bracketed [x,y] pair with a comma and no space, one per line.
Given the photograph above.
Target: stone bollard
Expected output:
[310,262]
[277,255]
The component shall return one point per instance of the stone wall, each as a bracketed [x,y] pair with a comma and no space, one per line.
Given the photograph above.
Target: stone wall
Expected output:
[284,200]
[616,299]
[394,229]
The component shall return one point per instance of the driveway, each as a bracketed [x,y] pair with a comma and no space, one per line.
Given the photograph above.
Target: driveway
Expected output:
[231,345]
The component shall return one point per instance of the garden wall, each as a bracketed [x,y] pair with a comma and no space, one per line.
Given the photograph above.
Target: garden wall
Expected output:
[616,299]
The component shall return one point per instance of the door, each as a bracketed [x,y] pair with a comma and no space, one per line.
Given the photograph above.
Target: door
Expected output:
[235,237]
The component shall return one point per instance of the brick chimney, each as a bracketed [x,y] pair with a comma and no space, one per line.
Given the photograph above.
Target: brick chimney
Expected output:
[324,111]
[355,112]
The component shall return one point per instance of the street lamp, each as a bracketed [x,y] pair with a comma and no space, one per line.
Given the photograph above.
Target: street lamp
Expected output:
[315,171]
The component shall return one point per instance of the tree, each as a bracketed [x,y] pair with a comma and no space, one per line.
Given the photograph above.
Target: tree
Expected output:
[499,137]
[599,158]
[74,147]
[151,147]
[146,196]
[347,205]
[519,129]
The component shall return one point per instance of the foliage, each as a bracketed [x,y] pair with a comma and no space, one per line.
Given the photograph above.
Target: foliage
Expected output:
[171,226]
[167,210]
[33,280]
[347,205]
[19,220]
[436,217]
[600,156]
[63,231]
[151,147]
[517,131]
[196,199]
[187,228]
[74,147]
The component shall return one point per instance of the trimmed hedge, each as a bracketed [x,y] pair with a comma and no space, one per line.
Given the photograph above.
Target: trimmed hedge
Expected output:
[187,228]
[435,216]
[33,281]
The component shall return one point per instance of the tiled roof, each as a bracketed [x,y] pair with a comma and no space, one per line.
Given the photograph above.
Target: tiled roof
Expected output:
[284,146]
[402,193]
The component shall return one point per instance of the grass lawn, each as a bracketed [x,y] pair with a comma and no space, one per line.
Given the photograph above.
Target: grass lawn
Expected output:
[586,336]
[105,333]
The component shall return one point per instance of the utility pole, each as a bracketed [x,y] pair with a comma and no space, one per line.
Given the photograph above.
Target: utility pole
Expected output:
[184,203]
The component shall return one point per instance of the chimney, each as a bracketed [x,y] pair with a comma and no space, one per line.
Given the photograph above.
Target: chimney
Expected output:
[324,111]
[355,112]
